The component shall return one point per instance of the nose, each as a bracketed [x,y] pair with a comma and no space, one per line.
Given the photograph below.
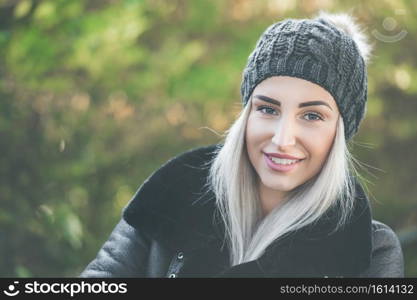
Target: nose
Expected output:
[284,134]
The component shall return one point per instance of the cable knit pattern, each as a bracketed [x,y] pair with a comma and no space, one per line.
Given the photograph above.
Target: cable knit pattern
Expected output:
[317,51]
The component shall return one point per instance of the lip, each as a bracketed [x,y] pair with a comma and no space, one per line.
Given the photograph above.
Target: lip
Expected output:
[278,167]
[282,156]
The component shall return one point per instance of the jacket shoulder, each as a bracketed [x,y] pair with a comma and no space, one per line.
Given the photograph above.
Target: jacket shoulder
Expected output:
[168,198]
[176,171]
[124,254]
[387,257]
[193,158]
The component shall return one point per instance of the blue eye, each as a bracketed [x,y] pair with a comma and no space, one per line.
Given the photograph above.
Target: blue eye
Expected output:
[267,108]
[316,117]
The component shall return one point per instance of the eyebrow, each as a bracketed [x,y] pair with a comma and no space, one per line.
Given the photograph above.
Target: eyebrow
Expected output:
[303,104]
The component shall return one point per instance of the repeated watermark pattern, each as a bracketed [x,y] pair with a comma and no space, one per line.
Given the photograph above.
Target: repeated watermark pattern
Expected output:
[390,25]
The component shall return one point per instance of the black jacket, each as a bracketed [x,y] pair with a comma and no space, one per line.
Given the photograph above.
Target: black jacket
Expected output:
[169,229]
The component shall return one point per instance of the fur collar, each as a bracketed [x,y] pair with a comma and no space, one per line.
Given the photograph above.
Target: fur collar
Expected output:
[170,207]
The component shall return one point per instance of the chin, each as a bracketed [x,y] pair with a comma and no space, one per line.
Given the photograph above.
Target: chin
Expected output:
[278,186]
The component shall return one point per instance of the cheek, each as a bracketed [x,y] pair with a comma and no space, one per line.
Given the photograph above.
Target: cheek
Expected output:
[255,131]
[319,144]
[249,131]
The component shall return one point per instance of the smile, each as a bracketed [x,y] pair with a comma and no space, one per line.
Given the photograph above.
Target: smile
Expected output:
[280,164]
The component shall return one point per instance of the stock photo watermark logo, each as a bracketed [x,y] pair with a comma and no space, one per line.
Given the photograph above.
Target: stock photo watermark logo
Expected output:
[391,26]
[11,290]
[61,288]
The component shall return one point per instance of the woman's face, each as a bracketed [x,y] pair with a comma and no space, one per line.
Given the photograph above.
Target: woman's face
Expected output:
[293,117]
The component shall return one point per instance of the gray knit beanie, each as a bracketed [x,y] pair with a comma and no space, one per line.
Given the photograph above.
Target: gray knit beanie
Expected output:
[318,51]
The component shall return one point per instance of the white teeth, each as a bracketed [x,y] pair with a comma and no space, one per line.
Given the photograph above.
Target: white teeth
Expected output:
[283,161]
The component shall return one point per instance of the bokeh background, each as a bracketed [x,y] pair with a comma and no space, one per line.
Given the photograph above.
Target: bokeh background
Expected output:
[95,95]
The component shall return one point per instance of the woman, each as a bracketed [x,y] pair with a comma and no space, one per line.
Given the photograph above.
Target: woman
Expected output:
[280,197]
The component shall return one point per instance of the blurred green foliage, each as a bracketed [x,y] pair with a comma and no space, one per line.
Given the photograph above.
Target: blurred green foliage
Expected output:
[96,95]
